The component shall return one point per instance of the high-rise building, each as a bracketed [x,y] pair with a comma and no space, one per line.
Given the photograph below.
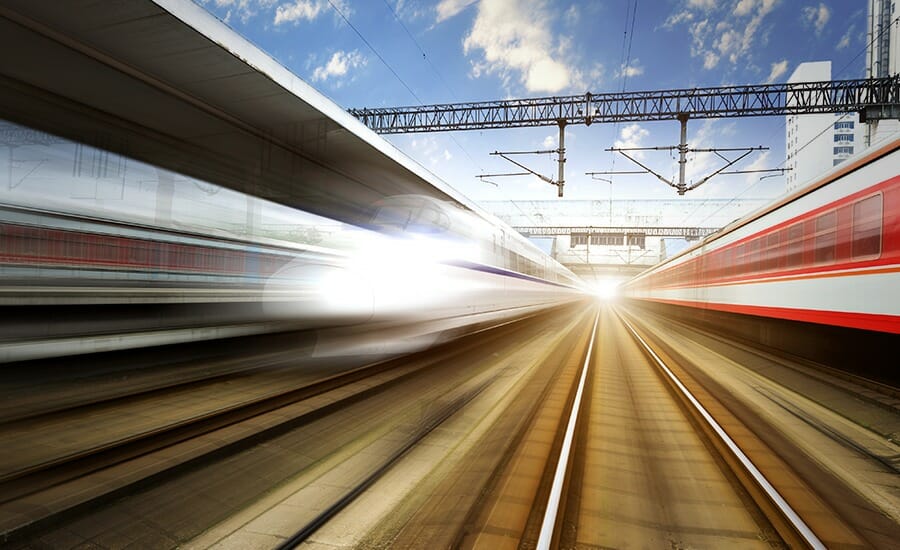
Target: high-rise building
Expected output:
[882,56]
[815,143]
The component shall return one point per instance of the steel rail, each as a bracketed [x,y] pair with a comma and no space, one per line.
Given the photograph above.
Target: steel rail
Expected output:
[548,526]
[800,528]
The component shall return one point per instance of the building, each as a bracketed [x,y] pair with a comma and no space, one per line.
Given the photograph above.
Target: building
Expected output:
[882,56]
[815,143]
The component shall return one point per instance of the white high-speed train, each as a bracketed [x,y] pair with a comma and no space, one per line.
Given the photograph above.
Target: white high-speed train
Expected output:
[442,264]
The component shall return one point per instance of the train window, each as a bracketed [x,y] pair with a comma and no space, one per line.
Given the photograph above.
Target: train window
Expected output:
[430,220]
[752,263]
[794,256]
[825,237]
[867,227]
[740,260]
[770,256]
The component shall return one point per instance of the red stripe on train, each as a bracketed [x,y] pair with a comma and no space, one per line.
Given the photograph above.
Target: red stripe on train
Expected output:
[864,321]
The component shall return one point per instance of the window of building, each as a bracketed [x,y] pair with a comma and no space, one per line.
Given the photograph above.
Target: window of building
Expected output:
[844,124]
[611,239]
[867,215]
[826,225]
[835,162]
[843,137]
[637,240]
[578,239]
[843,150]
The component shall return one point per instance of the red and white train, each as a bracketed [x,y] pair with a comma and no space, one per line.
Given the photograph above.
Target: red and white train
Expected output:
[827,255]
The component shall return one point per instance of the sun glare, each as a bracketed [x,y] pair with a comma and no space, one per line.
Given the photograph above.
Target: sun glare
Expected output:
[606,289]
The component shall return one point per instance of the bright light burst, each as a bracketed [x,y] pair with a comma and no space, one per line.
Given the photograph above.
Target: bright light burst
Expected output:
[606,289]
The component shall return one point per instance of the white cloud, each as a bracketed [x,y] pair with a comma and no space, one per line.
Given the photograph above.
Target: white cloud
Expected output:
[339,64]
[817,16]
[702,4]
[595,75]
[411,11]
[761,162]
[677,18]
[245,9]
[308,10]
[572,15]
[845,40]
[729,42]
[722,34]
[631,136]
[632,70]
[549,142]
[699,31]
[299,9]
[448,8]
[515,38]
[778,69]
[744,7]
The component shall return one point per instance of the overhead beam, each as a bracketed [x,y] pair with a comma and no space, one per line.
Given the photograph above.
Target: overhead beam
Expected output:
[550,231]
[875,97]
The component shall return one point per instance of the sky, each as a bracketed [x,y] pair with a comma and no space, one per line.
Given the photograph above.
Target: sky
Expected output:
[375,53]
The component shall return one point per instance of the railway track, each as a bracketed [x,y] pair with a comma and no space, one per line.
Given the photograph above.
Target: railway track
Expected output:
[630,466]
[588,427]
[635,459]
[44,499]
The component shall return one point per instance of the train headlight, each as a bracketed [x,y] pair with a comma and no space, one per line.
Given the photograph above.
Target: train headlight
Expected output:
[405,274]
[318,291]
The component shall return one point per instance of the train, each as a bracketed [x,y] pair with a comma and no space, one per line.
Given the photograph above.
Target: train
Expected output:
[816,273]
[61,272]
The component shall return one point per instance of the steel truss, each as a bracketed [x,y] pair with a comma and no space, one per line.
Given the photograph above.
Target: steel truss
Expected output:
[552,231]
[875,98]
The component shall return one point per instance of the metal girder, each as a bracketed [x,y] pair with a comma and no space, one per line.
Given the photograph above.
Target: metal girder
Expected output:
[871,96]
[549,231]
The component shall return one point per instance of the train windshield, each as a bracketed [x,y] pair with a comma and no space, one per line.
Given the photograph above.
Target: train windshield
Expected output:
[412,218]
[392,217]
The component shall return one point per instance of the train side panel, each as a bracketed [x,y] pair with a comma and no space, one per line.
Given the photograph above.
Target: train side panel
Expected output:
[829,256]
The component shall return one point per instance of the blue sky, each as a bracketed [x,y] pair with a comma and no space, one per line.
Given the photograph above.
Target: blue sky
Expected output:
[425,51]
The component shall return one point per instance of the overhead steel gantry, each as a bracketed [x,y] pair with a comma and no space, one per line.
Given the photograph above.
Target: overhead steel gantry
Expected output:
[875,98]
[689,233]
